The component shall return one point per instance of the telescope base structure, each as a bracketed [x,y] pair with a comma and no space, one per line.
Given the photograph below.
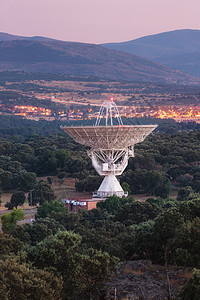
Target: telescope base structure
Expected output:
[110,186]
[110,148]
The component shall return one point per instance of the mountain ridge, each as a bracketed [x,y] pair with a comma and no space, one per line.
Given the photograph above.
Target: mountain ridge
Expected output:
[75,58]
[11,37]
[166,48]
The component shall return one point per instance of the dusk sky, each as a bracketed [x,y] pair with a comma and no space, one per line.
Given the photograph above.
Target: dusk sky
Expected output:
[97,21]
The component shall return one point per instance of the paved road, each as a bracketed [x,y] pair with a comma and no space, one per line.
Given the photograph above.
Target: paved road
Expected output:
[26,211]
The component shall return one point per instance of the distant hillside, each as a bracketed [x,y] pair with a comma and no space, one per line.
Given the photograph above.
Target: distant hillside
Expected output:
[10,37]
[84,59]
[179,49]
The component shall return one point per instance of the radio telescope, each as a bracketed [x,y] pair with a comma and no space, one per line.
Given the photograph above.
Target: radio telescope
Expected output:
[110,145]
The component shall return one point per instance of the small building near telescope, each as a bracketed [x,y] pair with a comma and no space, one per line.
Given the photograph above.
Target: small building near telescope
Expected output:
[75,204]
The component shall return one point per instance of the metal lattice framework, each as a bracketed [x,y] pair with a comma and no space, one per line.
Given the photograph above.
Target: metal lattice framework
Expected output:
[110,146]
[111,110]
[109,137]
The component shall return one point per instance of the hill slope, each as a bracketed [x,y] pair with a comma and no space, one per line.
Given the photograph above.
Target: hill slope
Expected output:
[10,37]
[179,49]
[84,59]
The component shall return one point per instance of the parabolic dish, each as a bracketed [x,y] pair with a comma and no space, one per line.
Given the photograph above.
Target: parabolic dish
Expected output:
[109,137]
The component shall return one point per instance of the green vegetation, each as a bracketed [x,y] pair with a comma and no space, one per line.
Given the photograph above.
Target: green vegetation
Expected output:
[111,204]
[19,281]
[45,249]
[41,193]
[135,229]
[80,272]
[161,161]
[79,252]
[83,247]
[17,199]
[9,220]
[192,289]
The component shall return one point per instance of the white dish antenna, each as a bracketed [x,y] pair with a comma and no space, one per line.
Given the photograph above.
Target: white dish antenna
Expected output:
[110,146]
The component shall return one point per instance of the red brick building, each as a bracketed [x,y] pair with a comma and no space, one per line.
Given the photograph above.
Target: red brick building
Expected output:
[74,204]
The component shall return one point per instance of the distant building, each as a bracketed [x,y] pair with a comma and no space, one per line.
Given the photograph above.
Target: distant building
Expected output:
[74,204]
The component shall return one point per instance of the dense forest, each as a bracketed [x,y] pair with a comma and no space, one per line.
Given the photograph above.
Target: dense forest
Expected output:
[79,252]
[161,160]
[18,127]
[64,255]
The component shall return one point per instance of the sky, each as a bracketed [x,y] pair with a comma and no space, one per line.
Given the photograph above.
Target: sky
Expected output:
[97,21]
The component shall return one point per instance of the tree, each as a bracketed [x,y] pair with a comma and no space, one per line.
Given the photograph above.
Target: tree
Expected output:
[152,182]
[9,220]
[163,203]
[135,180]
[137,212]
[175,171]
[46,209]
[186,244]
[196,185]
[61,175]
[156,183]
[17,199]
[142,161]
[14,166]
[50,180]
[186,193]
[184,180]
[6,180]
[126,187]
[60,253]
[25,180]
[138,242]
[191,290]
[75,165]
[98,267]
[46,162]
[189,209]
[89,184]
[0,196]
[112,203]
[56,210]
[19,281]
[164,230]
[37,231]
[9,245]
[158,201]
[62,156]
[41,193]
[191,155]
[63,259]
[9,206]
